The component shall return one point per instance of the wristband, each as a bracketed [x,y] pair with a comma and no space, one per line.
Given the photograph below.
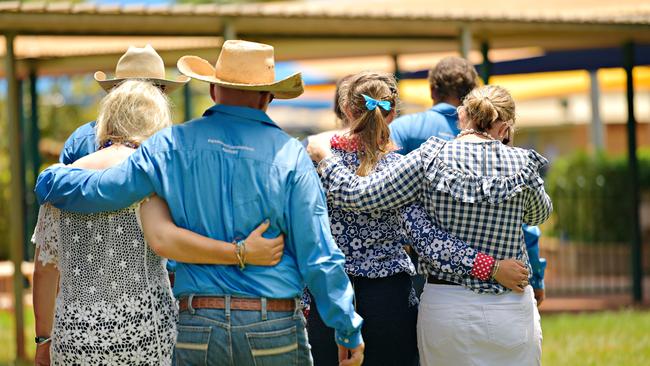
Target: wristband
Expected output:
[495,269]
[241,253]
[42,340]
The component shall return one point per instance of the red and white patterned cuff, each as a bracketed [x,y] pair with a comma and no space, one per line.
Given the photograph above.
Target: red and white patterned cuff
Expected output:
[482,267]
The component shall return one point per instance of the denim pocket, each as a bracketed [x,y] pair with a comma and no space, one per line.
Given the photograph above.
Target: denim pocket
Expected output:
[192,345]
[274,348]
[507,325]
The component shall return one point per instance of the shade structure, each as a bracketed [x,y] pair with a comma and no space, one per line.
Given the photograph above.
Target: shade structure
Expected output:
[301,30]
[295,25]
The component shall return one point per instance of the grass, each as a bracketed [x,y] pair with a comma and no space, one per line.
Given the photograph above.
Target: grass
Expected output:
[609,339]
[593,339]
[7,343]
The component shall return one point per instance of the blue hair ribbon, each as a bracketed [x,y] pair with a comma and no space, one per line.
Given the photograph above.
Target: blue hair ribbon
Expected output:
[372,103]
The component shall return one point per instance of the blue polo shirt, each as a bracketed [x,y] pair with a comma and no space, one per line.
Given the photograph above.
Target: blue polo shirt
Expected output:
[82,142]
[410,131]
[222,175]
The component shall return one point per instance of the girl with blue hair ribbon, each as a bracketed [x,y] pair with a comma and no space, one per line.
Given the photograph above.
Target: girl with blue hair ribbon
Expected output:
[373,242]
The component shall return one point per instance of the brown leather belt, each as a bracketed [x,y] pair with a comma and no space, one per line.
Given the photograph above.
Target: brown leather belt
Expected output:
[238,303]
[435,281]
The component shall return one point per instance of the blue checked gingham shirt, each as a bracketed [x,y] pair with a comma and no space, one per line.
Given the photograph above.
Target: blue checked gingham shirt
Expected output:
[480,192]
[410,131]
[222,175]
[373,242]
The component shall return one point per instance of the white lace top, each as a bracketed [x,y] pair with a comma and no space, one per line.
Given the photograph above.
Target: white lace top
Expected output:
[114,305]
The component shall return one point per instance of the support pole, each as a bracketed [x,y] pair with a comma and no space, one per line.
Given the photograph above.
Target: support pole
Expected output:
[486,66]
[16,229]
[35,130]
[25,161]
[398,74]
[229,31]
[33,152]
[396,68]
[465,42]
[187,99]
[637,269]
[597,131]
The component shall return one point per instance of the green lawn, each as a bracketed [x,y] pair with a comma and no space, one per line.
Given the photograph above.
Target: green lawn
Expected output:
[608,339]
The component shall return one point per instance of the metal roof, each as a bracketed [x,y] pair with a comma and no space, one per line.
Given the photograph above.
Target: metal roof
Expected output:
[552,11]
[315,29]
[376,18]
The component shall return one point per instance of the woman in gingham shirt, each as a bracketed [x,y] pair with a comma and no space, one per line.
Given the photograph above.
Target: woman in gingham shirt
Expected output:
[480,190]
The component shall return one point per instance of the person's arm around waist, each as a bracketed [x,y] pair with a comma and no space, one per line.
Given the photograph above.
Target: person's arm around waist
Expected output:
[320,261]
[170,241]
[448,254]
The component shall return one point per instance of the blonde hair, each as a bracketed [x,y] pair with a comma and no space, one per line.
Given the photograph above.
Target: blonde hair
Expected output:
[370,126]
[489,104]
[132,112]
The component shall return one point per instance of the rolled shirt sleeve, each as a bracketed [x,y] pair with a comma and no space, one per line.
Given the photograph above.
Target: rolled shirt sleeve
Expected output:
[320,261]
[531,236]
[91,191]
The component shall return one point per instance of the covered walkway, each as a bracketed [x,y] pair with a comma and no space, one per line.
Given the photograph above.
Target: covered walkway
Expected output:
[298,30]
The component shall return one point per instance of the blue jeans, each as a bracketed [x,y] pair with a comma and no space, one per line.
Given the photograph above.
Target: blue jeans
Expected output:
[241,337]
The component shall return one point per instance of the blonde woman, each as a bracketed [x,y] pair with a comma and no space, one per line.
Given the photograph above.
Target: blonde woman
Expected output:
[114,304]
[482,191]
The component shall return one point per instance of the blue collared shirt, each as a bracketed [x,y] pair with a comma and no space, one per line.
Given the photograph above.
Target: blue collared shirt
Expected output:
[222,175]
[410,131]
[81,143]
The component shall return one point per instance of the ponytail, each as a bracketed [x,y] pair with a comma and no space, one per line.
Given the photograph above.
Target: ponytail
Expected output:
[374,135]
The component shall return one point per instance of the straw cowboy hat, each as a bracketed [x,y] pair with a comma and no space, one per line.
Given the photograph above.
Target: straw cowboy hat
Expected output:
[141,63]
[245,66]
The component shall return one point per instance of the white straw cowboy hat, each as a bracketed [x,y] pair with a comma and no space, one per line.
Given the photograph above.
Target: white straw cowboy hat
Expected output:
[141,63]
[245,66]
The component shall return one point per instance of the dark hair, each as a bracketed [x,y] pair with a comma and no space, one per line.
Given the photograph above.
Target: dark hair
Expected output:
[340,96]
[452,77]
[370,126]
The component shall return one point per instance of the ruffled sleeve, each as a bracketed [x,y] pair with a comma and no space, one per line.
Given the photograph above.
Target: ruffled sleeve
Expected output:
[47,234]
[469,188]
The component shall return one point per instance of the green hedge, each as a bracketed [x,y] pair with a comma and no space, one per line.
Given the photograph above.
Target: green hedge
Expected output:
[592,196]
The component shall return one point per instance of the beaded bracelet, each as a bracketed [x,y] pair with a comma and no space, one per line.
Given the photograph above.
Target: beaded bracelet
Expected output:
[241,253]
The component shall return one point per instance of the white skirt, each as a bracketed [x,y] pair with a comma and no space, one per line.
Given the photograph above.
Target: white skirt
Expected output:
[458,327]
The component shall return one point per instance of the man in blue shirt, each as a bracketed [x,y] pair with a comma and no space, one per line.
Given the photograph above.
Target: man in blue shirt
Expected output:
[450,80]
[221,174]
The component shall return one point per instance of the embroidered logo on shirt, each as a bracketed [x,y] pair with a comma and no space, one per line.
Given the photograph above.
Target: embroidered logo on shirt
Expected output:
[231,149]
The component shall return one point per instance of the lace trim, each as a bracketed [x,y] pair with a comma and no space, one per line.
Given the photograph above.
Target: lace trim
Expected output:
[46,235]
[469,188]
